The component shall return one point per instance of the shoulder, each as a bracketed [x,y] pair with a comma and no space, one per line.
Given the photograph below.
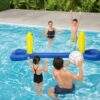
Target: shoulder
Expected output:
[68,73]
[41,68]
[55,72]
[54,28]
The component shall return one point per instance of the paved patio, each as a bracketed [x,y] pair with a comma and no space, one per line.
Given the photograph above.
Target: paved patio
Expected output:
[89,21]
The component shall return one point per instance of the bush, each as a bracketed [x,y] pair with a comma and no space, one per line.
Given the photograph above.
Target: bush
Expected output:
[59,5]
[4,4]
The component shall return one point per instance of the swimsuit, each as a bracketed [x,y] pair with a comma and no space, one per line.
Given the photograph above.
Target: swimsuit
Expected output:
[59,90]
[51,34]
[37,78]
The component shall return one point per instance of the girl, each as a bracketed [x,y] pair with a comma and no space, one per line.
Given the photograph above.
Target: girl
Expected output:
[38,73]
[50,33]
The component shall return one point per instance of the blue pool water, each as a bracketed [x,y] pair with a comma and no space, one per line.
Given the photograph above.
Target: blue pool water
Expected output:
[16,77]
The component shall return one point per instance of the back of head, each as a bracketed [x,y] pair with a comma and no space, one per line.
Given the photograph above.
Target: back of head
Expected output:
[58,63]
[36,59]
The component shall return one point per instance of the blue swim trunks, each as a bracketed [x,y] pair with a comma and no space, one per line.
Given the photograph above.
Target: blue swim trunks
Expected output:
[59,90]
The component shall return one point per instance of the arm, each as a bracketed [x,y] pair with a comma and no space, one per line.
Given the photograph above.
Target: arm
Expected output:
[67,63]
[79,18]
[30,63]
[71,16]
[79,77]
[45,32]
[45,69]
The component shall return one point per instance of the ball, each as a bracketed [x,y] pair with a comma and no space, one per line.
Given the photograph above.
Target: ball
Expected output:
[75,57]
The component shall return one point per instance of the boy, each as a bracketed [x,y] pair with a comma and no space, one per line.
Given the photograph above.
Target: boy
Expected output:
[74,29]
[64,78]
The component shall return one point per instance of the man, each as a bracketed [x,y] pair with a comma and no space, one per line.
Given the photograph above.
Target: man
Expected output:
[64,78]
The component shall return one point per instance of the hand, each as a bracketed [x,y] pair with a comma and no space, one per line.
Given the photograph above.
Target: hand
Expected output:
[68,62]
[46,61]
[80,63]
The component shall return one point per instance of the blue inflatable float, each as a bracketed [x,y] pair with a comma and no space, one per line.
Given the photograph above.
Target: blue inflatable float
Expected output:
[20,54]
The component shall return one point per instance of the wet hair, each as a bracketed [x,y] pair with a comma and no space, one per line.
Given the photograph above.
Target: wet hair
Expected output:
[58,63]
[75,20]
[50,21]
[36,59]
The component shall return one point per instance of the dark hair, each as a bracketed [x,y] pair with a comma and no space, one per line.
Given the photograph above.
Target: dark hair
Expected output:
[36,59]
[75,20]
[58,63]
[50,21]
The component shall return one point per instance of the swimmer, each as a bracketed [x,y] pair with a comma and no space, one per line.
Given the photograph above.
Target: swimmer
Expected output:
[74,28]
[64,78]
[38,70]
[50,33]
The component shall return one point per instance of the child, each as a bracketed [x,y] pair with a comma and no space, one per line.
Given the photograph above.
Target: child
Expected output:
[50,33]
[64,78]
[74,29]
[38,70]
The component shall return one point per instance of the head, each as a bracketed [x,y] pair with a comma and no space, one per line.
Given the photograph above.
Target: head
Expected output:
[36,59]
[58,63]
[50,23]
[75,22]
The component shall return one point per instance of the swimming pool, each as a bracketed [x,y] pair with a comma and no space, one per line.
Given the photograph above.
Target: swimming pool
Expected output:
[16,77]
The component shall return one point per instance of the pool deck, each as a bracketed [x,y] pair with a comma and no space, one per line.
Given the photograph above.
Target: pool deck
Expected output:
[89,21]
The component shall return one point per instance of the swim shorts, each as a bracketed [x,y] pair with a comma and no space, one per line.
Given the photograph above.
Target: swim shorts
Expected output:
[59,90]
[73,38]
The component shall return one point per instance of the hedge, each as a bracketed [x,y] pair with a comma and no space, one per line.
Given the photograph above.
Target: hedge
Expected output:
[4,4]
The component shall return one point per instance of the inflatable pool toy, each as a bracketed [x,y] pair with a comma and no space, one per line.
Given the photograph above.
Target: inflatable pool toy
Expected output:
[81,42]
[22,54]
[92,54]
[29,43]
[75,56]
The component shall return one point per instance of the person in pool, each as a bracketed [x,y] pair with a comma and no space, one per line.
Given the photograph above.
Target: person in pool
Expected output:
[50,33]
[64,78]
[74,28]
[38,70]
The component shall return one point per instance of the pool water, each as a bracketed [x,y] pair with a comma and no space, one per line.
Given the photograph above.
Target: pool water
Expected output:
[16,77]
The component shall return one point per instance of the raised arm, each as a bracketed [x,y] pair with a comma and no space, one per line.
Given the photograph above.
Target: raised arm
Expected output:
[45,69]
[79,77]
[71,16]
[79,18]
[30,63]
[67,63]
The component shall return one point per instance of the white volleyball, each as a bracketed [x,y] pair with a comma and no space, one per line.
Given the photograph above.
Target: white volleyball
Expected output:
[75,57]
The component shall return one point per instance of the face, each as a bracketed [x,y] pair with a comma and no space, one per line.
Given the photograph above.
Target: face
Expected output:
[50,24]
[74,23]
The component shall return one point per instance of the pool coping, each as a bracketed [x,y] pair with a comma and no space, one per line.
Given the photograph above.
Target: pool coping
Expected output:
[39,18]
[43,26]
